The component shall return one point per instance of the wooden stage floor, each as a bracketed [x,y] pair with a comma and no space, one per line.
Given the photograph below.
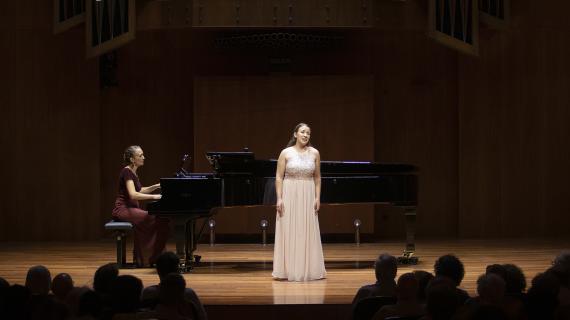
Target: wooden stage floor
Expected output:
[240,274]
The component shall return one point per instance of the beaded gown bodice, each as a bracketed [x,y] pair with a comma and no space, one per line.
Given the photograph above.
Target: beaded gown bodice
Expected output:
[300,165]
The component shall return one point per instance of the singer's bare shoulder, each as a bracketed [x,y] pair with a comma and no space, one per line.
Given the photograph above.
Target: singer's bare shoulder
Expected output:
[285,152]
[314,150]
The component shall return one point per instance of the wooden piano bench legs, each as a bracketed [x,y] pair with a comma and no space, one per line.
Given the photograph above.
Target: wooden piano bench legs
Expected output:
[121,229]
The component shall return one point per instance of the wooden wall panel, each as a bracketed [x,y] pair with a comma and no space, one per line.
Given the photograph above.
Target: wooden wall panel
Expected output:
[514,146]
[415,122]
[50,127]
[258,112]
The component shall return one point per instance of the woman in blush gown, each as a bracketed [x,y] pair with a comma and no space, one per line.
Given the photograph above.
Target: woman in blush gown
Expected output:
[298,253]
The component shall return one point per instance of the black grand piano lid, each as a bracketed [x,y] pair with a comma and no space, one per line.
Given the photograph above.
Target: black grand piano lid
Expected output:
[231,162]
[244,162]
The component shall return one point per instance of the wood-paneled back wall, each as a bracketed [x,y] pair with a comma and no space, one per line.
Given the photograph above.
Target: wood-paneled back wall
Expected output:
[489,133]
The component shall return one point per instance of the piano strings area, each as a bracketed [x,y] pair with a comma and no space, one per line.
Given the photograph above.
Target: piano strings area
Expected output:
[237,277]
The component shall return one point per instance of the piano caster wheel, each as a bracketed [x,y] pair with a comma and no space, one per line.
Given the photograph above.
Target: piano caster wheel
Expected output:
[184,268]
[407,258]
[197,258]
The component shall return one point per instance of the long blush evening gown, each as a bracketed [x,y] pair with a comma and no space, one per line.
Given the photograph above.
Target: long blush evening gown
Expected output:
[298,253]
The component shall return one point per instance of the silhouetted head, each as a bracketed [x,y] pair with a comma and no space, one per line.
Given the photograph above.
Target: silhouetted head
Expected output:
[126,293]
[562,259]
[90,304]
[491,288]
[441,301]
[172,289]
[4,286]
[450,266]
[16,303]
[542,297]
[423,278]
[407,288]
[104,278]
[61,285]
[497,269]
[38,280]
[166,263]
[515,279]
[386,267]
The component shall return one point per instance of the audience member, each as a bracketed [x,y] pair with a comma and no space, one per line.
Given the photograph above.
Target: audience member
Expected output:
[542,297]
[515,281]
[167,263]
[385,268]
[563,259]
[73,300]
[90,305]
[497,269]
[441,303]
[38,280]
[17,303]
[126,294]
[407,304]
[61,285]
[4,286]
[561,270]
[172,303]
[423,278]
[451,267]
[491,289]
[43,305]
[103,283]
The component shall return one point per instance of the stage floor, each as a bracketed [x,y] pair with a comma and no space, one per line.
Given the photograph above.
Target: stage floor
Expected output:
[240,274]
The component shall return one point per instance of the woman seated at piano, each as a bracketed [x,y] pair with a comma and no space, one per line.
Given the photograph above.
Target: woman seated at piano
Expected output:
[150,232]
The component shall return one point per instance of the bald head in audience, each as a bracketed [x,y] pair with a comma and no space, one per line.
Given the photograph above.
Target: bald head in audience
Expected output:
[38,280]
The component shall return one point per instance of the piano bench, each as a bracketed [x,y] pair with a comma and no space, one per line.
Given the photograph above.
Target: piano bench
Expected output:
[120,228]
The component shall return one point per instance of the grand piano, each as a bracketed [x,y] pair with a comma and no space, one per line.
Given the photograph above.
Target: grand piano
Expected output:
[238,179]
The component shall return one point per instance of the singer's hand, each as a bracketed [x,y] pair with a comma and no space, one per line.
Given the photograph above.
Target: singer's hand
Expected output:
[317,205]
[280,207]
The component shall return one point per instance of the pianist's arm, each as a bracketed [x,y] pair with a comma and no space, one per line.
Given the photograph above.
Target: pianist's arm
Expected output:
[133,194]
[150,189]
[279,181]
[317,178]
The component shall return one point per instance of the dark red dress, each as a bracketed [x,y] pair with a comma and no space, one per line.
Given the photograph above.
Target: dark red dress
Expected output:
[151,233]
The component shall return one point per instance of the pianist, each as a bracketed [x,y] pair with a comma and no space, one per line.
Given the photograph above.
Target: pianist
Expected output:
[150,232]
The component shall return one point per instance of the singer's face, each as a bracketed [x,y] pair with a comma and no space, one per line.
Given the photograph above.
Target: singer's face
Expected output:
[303,135]
[138,158]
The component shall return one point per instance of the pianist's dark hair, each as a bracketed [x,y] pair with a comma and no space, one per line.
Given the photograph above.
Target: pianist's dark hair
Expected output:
[293,140]
[129,153]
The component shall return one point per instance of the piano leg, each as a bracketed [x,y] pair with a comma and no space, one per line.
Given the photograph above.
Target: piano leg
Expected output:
[191,241]
[180,230]
[407,256]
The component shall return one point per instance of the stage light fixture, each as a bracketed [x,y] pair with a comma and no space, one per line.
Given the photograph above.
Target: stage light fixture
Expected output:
[264,224]
[357,223]
[212,225]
